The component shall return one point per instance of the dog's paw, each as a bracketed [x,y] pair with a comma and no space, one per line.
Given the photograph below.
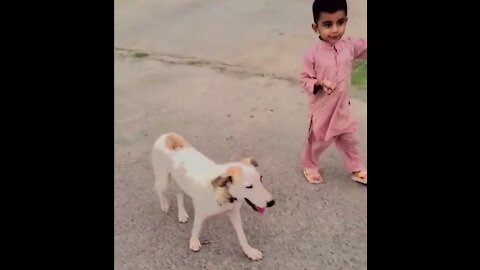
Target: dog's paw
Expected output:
[253,253]
[164,205]
[195,244]
[182,216]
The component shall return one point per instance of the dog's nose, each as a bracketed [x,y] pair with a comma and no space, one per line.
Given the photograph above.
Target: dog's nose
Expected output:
[270,203]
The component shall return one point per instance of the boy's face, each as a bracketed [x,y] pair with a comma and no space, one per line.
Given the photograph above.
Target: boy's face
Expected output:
[331,26]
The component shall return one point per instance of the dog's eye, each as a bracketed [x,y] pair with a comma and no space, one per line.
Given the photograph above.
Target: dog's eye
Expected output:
[251,186]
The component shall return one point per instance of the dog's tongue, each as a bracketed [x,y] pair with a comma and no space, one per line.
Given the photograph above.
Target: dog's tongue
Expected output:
[260,210]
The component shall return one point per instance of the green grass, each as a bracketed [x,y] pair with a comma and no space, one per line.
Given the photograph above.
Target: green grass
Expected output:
[140,55]
[359,76]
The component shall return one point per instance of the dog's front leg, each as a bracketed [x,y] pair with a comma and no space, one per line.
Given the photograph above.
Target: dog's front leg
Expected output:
[236,220]
[197,226]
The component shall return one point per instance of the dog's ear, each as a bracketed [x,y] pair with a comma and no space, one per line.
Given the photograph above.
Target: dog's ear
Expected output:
[250,161]
[220,187]
[227,178]
[222,181]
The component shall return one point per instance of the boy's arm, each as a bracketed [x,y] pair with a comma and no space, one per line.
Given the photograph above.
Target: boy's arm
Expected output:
[360,48]
[308,77]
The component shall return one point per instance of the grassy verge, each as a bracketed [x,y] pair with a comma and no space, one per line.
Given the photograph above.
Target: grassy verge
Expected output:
[359,76]
[141,55]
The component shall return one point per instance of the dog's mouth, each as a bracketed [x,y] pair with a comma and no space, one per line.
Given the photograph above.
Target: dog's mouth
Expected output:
[254,207]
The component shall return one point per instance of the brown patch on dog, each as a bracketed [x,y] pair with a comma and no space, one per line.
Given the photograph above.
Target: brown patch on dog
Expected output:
[250,161]
[220,186]
[234,171]
[223,196]
[221,183]
[175,142]
[229,176]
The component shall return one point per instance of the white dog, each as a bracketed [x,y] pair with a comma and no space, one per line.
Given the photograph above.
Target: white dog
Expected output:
[214,188]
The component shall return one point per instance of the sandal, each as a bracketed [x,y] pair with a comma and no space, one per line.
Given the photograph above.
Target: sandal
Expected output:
[360,177]
[313,177]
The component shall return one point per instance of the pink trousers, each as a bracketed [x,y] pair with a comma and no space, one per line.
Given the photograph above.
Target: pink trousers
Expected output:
[347,144]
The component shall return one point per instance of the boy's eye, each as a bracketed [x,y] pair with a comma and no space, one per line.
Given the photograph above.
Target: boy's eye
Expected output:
[251,186]
[327,25]
[261,178]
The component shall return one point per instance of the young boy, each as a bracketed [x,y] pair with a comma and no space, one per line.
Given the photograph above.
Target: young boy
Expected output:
[326,77]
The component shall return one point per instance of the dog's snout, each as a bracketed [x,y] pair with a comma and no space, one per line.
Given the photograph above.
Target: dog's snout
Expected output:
[270,203]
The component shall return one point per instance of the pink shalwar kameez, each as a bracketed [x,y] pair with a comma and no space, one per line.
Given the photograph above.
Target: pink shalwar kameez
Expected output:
[330,117]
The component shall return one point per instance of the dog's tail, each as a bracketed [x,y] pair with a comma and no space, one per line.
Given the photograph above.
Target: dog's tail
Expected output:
[174,141]
[166,145]
[169,142]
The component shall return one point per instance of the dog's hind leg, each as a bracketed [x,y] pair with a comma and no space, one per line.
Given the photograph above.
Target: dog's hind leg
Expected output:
[182,213]
[161,183]
[161,170]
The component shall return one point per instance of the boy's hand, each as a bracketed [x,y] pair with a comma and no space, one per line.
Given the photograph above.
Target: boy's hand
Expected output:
[328,86]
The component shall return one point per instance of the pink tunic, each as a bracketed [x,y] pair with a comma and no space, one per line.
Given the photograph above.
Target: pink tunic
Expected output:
[330,115]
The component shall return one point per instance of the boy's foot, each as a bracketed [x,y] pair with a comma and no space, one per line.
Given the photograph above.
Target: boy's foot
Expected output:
[313,177]
[360,176]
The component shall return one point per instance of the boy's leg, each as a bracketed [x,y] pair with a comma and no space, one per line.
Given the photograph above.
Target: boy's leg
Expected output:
[310,155]
[349,148]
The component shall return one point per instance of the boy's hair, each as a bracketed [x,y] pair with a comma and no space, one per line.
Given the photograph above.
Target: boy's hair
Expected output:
[329,6]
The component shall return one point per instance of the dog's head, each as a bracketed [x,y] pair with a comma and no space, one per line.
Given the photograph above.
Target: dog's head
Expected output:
[243,182]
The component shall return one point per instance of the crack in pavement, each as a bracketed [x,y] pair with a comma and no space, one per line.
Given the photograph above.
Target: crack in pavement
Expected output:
[220,66]
[216,65]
